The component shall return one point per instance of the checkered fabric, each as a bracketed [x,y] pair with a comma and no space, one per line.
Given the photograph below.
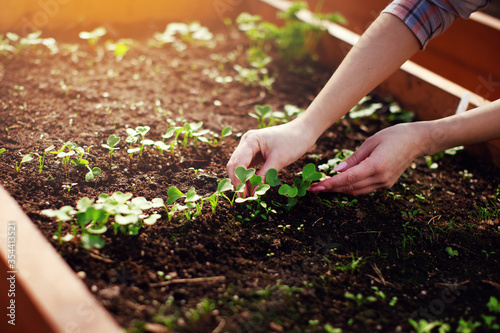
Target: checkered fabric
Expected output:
[429,18]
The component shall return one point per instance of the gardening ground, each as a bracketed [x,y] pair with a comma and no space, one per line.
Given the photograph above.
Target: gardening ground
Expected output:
[425,249]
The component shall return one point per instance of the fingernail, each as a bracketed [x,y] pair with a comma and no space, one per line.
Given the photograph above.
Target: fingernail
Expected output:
[340,167]
[316,188]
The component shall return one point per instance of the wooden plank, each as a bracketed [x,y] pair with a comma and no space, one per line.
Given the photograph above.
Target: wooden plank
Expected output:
[48,296]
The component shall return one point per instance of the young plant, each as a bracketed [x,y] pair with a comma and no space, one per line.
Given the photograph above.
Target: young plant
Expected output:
[226,131]
[26,158]
[64,155]
[111,143]
[42,157]
[265,116]
[93,36]
[224,185]
[2,150]
[300,185]
[192,201]
[92,174]
[132,138]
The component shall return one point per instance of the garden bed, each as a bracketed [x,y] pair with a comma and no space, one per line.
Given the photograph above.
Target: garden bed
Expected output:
[425,249]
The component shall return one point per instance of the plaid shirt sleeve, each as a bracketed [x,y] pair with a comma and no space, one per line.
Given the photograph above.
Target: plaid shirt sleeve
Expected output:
[429,18]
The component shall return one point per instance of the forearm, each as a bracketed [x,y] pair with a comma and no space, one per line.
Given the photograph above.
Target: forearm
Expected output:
[478,125]
[382,49]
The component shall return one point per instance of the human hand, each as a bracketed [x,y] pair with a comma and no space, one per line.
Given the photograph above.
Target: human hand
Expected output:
[273,147]
[379,161]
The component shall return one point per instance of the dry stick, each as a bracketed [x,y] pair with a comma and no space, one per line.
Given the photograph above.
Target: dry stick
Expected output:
[106,260]
[189,280]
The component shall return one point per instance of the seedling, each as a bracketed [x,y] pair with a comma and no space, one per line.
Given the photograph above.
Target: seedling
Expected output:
[226,131]
[192,200]
[65,156]
[300,185]
[224,185]
[265,116]
[451,252]
[339,157]
[112,141]
[26,158]
[63,214]
[2,150]
[42,157]
[132,138]
[93,218]
[92,174]
[93,36]
[423,326]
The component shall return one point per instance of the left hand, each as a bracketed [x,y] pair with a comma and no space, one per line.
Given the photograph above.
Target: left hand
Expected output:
[379,162]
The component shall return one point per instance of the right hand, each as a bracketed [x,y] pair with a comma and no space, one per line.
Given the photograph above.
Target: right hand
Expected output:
[275,147]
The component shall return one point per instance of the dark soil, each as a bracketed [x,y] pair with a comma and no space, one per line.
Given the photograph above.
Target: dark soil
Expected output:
[289,273]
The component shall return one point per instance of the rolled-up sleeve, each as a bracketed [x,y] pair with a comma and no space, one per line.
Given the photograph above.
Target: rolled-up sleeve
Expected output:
[429,18]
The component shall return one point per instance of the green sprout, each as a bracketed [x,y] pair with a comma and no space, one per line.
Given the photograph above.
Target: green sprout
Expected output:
[111,144]
[65,156]
[132,138]
[26,158]
[192,201]
[93,36]
[300,185]
[42,157]
[423,326]
[224,185]
[2,150]
[265,116]
[226,131]
[92,174]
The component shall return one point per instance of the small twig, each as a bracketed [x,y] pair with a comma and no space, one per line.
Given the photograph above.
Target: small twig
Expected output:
[452,285]
[106,260]
[317,221]
[220,327]
[494,284]
[379,273]
[189,280]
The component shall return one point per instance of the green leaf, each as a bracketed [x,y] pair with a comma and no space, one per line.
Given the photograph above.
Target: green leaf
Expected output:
[126,219]
[225,185]
[141,203]
[83,204]
[2,150]
[150,220]
[255,180]
[142,130]
[27,158]
[272,177]
[288,190]
[157,202]
[90,241]
[97,230]
[173,195]
[121,197]
[244,174]
[263,110]
[302,189]
[241,200]
[310,174]
[191,195]
[226,131]
[262,189]
[113,140]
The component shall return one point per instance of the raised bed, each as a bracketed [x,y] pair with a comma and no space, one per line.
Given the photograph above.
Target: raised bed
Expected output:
[55,299]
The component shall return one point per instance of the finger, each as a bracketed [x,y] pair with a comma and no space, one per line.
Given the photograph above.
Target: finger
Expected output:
[247,153]
[357,157]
